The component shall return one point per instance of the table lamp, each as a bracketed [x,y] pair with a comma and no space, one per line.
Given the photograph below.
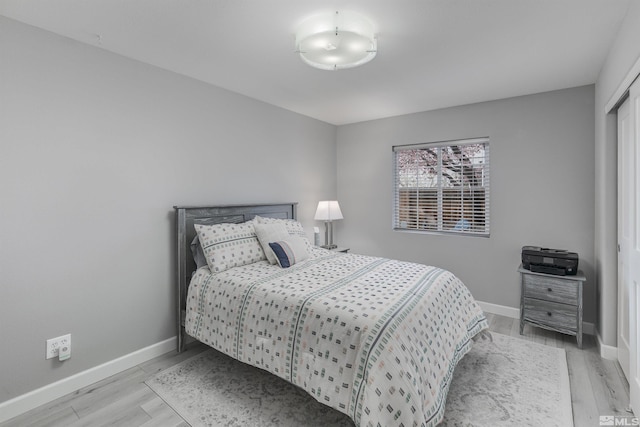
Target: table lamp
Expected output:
[328,211]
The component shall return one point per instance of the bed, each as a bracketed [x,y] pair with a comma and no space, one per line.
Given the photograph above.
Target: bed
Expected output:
[374,338]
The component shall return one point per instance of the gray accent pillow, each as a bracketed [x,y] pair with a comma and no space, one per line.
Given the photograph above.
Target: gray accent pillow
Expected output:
[198,254]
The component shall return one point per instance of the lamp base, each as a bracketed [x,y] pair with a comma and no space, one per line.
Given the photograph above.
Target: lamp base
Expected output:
[328,236]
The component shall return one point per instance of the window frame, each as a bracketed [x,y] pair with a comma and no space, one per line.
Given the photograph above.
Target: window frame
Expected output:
[443,227]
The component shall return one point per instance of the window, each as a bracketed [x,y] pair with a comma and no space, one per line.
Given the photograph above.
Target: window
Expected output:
[442,187]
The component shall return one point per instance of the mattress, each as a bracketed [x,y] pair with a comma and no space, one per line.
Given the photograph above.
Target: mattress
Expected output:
[375,338]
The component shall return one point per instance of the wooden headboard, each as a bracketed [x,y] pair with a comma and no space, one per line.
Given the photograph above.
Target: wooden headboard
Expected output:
[187,216]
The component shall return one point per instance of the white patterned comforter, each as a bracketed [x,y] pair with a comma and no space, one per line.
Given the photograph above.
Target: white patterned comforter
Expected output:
[376,339]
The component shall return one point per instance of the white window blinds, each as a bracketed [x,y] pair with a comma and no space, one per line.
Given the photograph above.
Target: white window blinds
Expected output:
[442,187]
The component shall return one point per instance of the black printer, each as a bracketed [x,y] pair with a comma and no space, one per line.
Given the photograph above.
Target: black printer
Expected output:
[550,261]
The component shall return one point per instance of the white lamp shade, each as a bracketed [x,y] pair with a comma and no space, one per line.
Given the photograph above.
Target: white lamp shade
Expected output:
[328,210]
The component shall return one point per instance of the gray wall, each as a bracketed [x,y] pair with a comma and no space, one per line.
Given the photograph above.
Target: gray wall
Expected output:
[542,192]
[624,52]
[95,149]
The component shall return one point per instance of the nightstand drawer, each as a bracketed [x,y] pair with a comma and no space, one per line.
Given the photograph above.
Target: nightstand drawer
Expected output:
[550,289]
[560,316]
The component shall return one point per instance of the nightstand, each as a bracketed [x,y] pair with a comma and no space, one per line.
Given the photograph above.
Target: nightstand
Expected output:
[552,302]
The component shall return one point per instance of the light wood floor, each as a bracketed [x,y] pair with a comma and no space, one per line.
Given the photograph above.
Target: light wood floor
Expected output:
[598,387]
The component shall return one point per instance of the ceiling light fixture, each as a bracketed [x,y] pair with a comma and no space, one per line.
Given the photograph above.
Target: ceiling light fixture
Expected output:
[336,40]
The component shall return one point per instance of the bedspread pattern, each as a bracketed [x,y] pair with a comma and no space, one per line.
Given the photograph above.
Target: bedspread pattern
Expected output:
[374,338]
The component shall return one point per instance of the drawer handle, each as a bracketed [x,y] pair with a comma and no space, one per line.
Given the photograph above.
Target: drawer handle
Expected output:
[549,313]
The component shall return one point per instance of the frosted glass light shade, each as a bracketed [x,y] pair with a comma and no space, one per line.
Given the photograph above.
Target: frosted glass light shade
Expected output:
[337,40]
[328,210]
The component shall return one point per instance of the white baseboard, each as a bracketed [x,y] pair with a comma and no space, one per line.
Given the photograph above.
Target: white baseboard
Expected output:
[502,310]
[514,313]
[21,404]
[607,351]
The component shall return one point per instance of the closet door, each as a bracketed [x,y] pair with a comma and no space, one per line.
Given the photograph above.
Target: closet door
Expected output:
[625,136]
[629,241]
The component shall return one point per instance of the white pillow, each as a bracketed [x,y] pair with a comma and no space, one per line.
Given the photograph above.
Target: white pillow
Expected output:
[289,252]
[229,245]
[270,233]
[293,227]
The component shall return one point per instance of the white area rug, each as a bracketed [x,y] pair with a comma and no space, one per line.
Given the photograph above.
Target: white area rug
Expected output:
[507,381]
[503,381]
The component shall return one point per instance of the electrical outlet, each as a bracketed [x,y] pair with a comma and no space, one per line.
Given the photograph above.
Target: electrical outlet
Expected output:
[54,345]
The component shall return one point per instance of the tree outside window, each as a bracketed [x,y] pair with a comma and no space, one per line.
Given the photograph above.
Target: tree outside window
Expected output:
[443,187]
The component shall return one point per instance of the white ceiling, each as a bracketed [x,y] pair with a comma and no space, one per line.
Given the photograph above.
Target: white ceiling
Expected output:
[431,53]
